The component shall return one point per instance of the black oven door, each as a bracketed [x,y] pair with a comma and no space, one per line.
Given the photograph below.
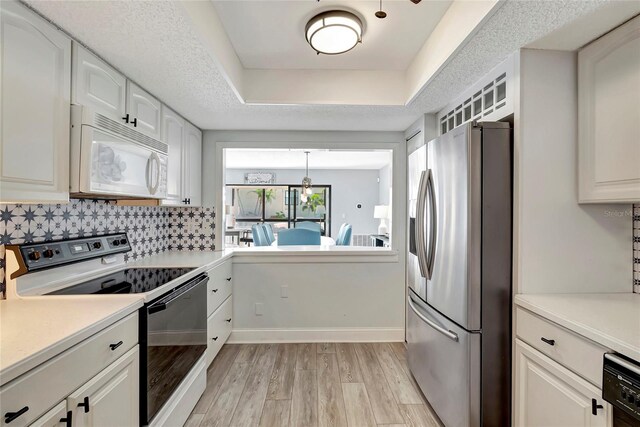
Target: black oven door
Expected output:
[174,330]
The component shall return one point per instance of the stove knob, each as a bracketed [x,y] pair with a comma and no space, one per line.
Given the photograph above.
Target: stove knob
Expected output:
[116,242]
[123,241]
[48,253]
[97,245]
[34,256]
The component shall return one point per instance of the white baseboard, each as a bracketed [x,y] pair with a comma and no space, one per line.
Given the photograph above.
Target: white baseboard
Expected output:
[177,409]
[249,336]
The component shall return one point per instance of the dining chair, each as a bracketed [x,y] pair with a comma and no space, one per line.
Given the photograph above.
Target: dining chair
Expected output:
[344,235]
[298,236]
[309,225]
[259,235]
[268,231]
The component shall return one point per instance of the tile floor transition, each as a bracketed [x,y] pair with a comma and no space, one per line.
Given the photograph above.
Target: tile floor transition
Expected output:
[311,385]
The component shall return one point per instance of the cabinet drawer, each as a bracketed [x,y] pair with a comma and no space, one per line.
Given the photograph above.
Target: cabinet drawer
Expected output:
[42,387]
[220,286]
[218,329]
[579,354]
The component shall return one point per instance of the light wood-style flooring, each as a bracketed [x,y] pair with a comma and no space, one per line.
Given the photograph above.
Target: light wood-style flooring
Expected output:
[332,384]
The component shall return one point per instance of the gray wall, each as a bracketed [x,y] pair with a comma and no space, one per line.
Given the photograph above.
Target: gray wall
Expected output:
[348,188]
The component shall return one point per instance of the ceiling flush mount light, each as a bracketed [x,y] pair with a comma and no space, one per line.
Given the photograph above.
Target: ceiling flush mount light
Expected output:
[306,183]
[334,32]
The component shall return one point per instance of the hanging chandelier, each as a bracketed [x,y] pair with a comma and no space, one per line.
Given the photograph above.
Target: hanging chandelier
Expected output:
[306,183]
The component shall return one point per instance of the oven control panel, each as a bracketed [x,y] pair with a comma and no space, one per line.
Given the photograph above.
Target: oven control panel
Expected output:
[621,384]
[36,256]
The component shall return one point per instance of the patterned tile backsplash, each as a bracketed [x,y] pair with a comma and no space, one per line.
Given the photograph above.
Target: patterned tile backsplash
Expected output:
[636,249]
[151,229]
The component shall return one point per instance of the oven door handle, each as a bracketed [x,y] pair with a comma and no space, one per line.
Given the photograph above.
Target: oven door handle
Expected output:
[183,290]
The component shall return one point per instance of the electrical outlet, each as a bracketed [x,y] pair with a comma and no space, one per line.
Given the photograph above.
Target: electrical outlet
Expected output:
[259,309]
[284,291]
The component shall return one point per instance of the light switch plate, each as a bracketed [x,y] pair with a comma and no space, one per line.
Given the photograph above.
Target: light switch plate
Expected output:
[259,309]
[284,291]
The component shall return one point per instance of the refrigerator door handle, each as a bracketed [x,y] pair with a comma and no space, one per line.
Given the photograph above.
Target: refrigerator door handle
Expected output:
[420,226]
[447,333]
[430,255]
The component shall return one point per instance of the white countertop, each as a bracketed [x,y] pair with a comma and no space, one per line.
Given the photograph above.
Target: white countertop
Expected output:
[612,320]
[180,259]
[35,329]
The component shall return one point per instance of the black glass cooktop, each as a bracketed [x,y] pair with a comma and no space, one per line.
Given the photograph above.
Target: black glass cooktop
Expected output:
[129,281]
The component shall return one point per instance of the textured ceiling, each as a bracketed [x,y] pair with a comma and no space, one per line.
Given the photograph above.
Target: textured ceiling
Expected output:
[270,34]
[153,43]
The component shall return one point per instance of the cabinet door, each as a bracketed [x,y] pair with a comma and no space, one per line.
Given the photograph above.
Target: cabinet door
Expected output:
[548,395]
[111,397]
[97,85]
[219,326]
[56,417]
[609,112]
[173,135]
[144,109]
[35,70]
[193,165]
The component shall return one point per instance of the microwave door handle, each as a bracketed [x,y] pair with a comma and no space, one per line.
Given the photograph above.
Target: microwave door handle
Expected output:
[153,173]
[429,259]
[420,226]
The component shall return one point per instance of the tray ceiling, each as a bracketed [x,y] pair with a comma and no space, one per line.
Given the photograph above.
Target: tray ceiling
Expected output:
[270,34]
[159,45]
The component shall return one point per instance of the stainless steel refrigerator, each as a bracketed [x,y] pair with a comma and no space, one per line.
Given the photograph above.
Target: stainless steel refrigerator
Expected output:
[459,273]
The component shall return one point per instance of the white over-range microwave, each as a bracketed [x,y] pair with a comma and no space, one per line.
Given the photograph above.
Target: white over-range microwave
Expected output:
[112,161]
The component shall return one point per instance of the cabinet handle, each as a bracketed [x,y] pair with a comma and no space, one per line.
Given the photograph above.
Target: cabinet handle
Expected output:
[228,320]
[185,201]
[228,279]
[85,404]
[215,338]
[189,201]
[126,118]
[595,407]
[214,290]
[67,419]
[10,416]
[135,122]
[116,345]
[548,341]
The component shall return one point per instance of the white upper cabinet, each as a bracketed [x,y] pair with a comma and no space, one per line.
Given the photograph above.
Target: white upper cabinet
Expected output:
[193,165]
[35,71]
[98,85]
[184,186]
[609,114]
[173,131]
[144,111]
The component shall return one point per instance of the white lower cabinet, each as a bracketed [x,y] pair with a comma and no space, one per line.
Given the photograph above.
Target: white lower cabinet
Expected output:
[219,308]
[219,327]
[58,416]
[549,395]
[111,397]
[96,382]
